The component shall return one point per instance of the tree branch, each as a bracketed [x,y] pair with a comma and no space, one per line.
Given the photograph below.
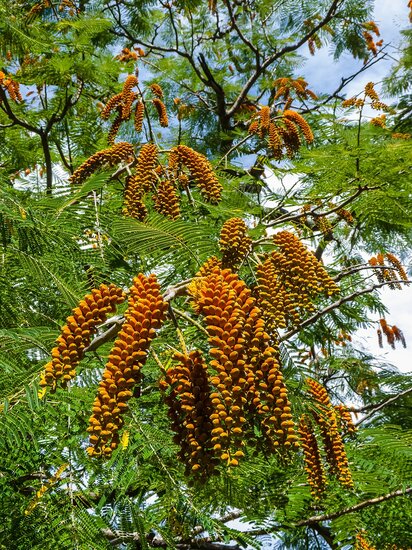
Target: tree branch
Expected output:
[354,508]
[333,306]
[277,55]
[378,406]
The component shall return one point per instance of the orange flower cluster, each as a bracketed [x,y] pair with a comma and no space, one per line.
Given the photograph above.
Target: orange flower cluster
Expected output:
[327,421]
[126,55]
[288,281]
[371,92]
[122,104]
[139,116]
[393,334]
[111,156]
[161,111]
[313,461]
[141,182]
[189,399]
[410,12]
[208,266]
[345,215]
[379,121]
[323,224]
[157,90]
[12,87]
[371,27]
[286,85]
[392,276]
[298,119]
[345,421]
[248,378]
[277,308]
[76,334]
[353,102]
[166,200]
[200,170]
[234,243]
[145,313]
[288,133]
[361,542]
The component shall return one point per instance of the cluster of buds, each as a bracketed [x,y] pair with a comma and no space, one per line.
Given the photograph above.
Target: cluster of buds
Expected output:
[189,399]
[393,334]
[200,170]
[286,87]
[281,135]
[234,243]
[288,281]
[11,86]
[370,29]
[379,121]
[145,313]
[138,116]
[400,135]
[122,151]
[343,338]
[140,182]
[361,542]
[277,307]
[208,266]
[122,104]
[313,460]
[166,200]
[126,55]
[392,273]
[77,332]
[161,111]
[344,417]
[247,379]
[327,420]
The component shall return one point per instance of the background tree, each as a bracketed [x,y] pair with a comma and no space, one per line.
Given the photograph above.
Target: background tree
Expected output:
[145,137]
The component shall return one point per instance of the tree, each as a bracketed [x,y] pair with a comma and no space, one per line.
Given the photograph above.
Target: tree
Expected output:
[190,236]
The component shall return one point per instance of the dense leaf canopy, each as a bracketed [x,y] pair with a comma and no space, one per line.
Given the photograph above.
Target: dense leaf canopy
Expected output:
[191,234]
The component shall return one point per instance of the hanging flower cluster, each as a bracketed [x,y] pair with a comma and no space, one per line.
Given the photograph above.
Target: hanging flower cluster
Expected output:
[189,399]
[370,29]
[200,170]
[122,151]
[344,417]
[166,200]
[234,243]
[281,133]
[11,86]
[145,313]
[327,422]
[288,280]
[126,55]
[77,332]
[393,274]
[393,334]
[161,111]
[247,380]
[122,104]
[208,266]
[286,87]
[313,460]
[142,181]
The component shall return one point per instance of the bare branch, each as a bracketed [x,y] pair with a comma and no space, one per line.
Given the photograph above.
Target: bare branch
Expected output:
[355,508]
[378,406]
[333,306]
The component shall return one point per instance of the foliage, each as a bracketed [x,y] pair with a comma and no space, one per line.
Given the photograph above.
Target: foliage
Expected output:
[233,180]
